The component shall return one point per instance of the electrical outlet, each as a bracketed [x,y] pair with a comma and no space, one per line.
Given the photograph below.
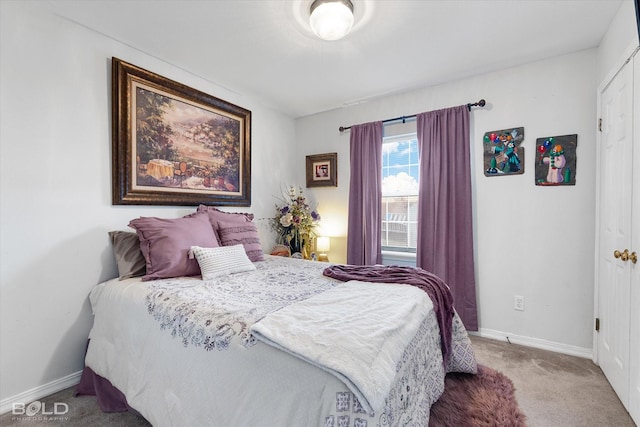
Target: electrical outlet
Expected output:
[518,303]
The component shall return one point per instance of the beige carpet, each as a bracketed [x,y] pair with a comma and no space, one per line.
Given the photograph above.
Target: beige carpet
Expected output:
[552,390]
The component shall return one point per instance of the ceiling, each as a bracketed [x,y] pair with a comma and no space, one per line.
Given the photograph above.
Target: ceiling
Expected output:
[265,48]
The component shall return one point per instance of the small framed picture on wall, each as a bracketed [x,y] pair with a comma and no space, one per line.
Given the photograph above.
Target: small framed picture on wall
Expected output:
[322,170]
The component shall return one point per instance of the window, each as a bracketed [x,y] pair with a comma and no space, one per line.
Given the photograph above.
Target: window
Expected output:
[400,192]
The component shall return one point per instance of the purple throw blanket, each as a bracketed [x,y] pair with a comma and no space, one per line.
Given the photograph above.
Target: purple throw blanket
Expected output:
[434,286]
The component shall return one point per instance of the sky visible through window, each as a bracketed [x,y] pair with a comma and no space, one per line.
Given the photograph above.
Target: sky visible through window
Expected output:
[400,194]
[400,168]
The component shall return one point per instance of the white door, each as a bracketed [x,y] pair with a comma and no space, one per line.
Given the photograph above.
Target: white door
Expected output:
[634,374]
[614,274]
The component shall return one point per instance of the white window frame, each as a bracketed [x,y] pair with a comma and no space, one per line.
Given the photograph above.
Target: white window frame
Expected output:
[399,132]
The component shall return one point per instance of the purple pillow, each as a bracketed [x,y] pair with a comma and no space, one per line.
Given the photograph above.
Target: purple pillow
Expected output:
[216,215]
[165,244]
[245,233]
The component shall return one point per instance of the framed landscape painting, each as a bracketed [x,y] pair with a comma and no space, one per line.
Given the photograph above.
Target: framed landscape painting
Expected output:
[175,145]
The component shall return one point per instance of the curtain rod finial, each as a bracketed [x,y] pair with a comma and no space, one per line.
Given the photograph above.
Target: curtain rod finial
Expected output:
[480,103]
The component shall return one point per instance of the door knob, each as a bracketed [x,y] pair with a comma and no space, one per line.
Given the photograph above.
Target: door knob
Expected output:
[633,257]
[624,256]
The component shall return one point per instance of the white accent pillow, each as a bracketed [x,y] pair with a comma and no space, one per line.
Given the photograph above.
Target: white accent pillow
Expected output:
[215,262]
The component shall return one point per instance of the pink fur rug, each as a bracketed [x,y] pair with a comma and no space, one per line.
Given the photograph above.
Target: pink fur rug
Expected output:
[482,400]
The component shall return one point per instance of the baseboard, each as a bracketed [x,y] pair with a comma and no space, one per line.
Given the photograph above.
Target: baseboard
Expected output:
[41,391]
[571,350]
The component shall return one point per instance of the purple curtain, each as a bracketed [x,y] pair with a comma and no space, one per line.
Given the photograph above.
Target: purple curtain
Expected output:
[364,244]
[445,234]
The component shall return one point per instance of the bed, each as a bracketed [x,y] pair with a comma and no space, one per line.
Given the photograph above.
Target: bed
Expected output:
[277,342]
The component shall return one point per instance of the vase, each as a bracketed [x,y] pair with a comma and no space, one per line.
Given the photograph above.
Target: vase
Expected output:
[306,253]
[299,244]
[296,244]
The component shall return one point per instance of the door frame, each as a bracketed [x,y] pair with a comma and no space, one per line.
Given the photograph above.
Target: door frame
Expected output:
[634,345]
[627,57]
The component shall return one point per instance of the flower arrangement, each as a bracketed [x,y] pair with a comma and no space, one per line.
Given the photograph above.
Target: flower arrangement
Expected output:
[295,221]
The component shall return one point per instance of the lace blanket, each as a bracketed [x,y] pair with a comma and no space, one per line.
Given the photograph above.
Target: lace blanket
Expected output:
[214,314]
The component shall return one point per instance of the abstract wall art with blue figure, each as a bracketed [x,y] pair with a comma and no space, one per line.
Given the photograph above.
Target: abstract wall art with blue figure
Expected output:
[503,154]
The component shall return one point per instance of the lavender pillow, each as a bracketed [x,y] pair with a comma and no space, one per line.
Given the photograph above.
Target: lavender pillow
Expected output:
[165,244]
[129,258]
[216,215]
[245,233]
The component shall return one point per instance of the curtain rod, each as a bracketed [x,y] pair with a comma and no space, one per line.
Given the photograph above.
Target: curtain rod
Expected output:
[480,103]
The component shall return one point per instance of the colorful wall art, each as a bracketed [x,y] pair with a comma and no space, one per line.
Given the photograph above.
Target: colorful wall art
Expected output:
[502,152]
[556,160]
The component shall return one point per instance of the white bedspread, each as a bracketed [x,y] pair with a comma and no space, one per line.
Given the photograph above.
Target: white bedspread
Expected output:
[357,331]
[182,353]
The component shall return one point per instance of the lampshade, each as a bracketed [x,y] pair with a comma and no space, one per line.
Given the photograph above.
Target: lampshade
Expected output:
[331,19]
[323,244]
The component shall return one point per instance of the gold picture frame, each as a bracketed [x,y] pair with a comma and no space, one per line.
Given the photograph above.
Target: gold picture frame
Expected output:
[175,145]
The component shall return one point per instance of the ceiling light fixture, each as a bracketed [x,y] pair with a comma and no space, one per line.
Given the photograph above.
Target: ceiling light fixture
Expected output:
[331,19]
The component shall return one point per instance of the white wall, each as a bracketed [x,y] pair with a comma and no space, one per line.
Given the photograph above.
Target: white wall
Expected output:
[55,186]
[531,241]
[618,43]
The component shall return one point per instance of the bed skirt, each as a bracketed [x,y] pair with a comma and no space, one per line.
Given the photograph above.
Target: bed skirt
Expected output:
[109,398]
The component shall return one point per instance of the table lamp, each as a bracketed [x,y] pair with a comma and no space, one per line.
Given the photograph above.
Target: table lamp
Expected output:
[323,245]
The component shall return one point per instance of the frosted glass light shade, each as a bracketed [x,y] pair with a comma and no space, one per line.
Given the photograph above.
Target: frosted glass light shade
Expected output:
[323,244]
[331,19]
